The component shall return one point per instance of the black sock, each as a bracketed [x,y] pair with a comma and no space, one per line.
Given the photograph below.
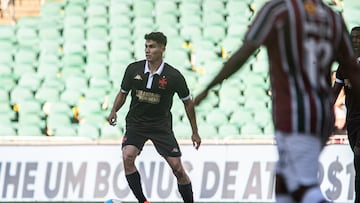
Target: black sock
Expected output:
[135,185]
[186,193]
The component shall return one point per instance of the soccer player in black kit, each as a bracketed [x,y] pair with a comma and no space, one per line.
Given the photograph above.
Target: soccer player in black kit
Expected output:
[152,84]
[352,102]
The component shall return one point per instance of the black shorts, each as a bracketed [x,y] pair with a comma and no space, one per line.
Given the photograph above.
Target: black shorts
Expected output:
[163,140]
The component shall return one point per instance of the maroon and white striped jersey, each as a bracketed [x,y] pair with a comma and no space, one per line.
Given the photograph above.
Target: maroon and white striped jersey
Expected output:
[303,38]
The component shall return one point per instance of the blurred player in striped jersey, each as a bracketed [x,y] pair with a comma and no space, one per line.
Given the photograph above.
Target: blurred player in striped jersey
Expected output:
[352,102]
[303,38]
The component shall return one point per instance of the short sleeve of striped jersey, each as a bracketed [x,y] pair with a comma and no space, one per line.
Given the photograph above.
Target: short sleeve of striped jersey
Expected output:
[265,21]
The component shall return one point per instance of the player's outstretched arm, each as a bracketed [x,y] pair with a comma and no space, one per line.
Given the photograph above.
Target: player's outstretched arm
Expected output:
[230,67]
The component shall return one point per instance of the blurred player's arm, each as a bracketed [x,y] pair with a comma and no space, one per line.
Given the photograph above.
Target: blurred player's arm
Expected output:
[190,113]
[233,64]
[118,103]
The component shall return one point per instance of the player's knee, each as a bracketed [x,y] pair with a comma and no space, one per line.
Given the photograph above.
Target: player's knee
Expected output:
[128,158]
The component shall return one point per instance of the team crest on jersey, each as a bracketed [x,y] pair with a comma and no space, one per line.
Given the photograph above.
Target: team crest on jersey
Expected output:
[310,7]
[138,77]
[162,83]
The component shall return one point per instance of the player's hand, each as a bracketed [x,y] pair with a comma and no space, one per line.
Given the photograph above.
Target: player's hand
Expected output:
[200,97]
[112,118]
[195,138]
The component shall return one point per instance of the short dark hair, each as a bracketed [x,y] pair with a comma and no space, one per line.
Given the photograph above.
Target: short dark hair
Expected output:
[158,37]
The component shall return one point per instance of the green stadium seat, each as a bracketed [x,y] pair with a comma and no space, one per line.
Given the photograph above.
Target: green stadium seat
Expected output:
[5,70]
[65,131]
[100,83]
[27,36]
[228,130]
[208,131]
[166,19]
[19,93]
[211,6]
[51,9]
[96,21]
[74,9]
[47,94]
[228,105]
[169,30]
[71,96]
[240,116]
[28,22]
[182,130]
[77,82]
[230,44]
[96,33]
[96,70]
[6,57]
[214,33]
[119,8]
[116,71]
[190,19]
[23,69]
[7,33]
[53,82]
[7,114]
[262,118]
[269,129]
[110,132]
[58,107]
[193,6]
[56,120]
[51,34]
[97,45]
[88,131]
[178,58]
[7,130]
[32,106]
[239,9]
[96,10]
[70,48]
[98,58]
[4,96]
[95,119]
[97,94]
[165,7]
[74,21]
[120,55]
[88,107]
[143,8]
[7,82]
[74,34]
[73,60]
[216,117]
[213,19]
[31,119]
[49,47]
[29,130]
[26,56]
[251,129]
[31,81]
[120,35]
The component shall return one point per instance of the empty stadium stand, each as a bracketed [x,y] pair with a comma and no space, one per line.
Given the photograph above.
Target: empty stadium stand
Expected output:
[61,64]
